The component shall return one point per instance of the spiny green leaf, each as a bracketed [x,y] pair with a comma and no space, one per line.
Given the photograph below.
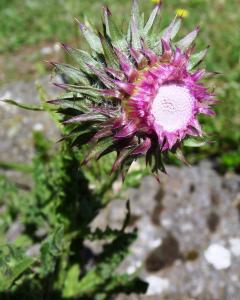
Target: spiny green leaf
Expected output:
[92,39]
[80,105]
[82,58]
[47,107]
[179,154]
[151,20]
[135,26]
[13,264]
[72,73]
[80,89]
[135,13]
[110,56]
[85,117]
[185,42]
[117,37]
[190,142]
[172,29]
[71,282]
[102,274]
[195,59]
[106,14]
[176,27]
[99,148]
[23,105]
[51,248]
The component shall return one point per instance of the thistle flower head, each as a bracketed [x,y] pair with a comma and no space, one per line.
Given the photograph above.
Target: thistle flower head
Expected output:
[136,93]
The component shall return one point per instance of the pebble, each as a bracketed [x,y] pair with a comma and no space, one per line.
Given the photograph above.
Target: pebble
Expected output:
[218,256]
[38,127]
[235,246]
[157,285]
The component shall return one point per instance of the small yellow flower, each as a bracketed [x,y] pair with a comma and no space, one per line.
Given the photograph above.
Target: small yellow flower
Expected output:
[183,13]
[156,1]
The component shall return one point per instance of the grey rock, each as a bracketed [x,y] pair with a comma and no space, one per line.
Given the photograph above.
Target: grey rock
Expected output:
[14,231]
[17,124]
[192,209]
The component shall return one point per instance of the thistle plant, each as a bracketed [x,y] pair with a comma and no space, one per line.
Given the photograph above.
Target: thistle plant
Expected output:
[137,93]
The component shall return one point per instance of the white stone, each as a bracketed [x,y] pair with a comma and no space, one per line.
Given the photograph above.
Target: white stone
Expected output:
[133,268]
[165,222]
[235,246]
[56,47]
[38,127]
[218,256]
[157,285]
[155,243]
[46,50]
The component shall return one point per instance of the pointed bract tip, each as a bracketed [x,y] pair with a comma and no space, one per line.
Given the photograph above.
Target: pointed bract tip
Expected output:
[65,46]
[125,87]
[106,10]
[60,85]
[52,63]
[198,28]
[165,45]
[54,101]
[82,26]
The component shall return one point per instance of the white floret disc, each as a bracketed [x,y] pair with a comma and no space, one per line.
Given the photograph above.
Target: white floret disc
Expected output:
[172,107]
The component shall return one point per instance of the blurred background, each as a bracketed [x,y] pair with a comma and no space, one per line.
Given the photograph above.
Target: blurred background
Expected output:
[189,225]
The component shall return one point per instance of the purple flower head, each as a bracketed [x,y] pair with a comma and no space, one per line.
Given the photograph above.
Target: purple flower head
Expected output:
[136,94]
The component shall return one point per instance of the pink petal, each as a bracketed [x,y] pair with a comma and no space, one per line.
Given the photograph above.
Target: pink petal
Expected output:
[171,139]
[143,147]
[126,65]
[127,130]
[117,74]
[128,88]
[111,93]
[150,55]
[166,51]
[139,58]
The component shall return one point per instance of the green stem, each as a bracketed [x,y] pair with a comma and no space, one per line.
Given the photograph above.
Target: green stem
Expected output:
[21,167]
